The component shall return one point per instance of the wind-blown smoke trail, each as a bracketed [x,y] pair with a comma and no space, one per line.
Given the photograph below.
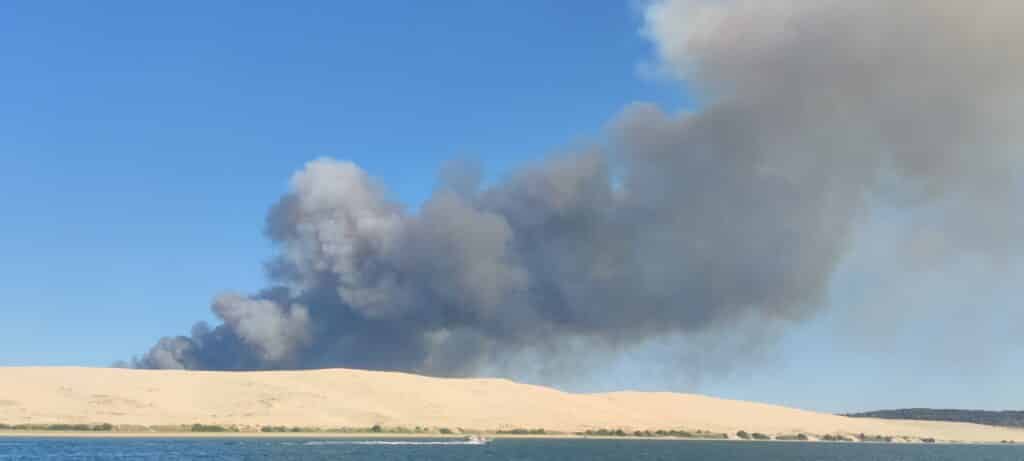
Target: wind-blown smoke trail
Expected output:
[819,110]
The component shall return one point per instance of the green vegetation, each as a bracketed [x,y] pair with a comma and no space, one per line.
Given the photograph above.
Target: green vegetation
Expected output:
[287,429]
[662,434]
[518,431]
[212,428]
[104,427]
[375,429]
[134,428]
[605,432]
[874,438]
[712,435]
[658,433]
[681,434]
[379,429]
[991,418]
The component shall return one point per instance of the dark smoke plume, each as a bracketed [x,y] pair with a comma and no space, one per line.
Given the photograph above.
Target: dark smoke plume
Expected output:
[818,112]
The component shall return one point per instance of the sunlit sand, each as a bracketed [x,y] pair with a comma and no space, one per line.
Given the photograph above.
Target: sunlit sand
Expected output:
[353,398]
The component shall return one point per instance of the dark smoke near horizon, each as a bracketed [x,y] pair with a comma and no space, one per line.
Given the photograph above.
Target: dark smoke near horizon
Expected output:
[819,113]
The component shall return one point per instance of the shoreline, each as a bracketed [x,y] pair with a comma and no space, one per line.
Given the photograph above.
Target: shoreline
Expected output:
[218,435]
[339,403]
[386,436]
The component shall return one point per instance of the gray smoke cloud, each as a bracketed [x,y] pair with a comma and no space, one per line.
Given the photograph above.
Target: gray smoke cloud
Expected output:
[818,112]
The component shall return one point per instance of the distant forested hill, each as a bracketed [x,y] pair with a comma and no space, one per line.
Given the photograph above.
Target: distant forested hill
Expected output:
[991,418]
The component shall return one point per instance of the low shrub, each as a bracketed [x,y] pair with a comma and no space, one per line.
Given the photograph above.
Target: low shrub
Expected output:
[211,428]
[649,433]
[58,427]
[874,438]
[521,431]
[673,433]
[712,435]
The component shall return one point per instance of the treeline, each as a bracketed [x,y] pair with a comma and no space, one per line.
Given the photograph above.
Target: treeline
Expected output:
[658,433]
[522,431]
[58,427]
[213,428]
[990,418]
[742,434]
[375,429]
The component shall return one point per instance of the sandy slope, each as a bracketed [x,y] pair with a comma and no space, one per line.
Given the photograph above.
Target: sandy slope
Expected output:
[352,398]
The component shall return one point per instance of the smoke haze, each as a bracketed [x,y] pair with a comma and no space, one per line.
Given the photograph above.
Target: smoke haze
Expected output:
[738,215]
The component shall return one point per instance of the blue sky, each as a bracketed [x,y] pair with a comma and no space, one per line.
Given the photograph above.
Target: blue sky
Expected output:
[142,144]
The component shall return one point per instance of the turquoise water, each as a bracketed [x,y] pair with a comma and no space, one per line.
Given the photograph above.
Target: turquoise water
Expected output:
[517,450]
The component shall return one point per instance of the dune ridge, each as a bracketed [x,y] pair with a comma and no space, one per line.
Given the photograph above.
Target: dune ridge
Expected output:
[358,398]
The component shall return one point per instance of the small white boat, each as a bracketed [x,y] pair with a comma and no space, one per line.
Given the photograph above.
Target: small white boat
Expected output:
[474,439]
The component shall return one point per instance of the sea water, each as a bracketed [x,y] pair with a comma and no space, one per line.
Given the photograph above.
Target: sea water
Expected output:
[503,449]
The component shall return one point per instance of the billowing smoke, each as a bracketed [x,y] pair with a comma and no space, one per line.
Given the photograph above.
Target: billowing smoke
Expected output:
[818,112]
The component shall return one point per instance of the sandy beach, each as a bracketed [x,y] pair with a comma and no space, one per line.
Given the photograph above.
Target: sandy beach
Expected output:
[341,398]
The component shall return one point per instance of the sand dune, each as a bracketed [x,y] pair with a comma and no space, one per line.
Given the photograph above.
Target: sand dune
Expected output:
[355,398]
